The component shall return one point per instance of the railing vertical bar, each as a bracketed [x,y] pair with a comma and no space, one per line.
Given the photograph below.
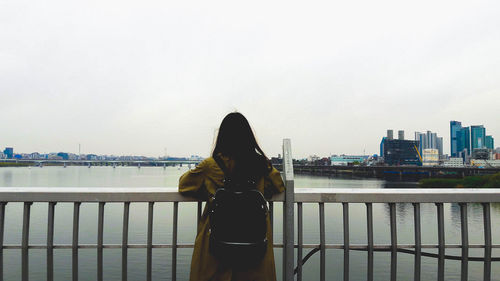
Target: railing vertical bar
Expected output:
[369,225]
[322,241]
[441,240]
[271,214]
[198,217]
[394,240]
[174,241]
[299,241]
[100,238]
[2,230]
[50,241]
[126,209]
[369,230]
[76,224]
[150,242]
[465,241]
[25,240]
[487,241]
[418,241]
[345,212]
[394,237]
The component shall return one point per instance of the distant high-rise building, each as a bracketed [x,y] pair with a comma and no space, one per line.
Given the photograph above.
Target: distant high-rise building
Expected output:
[478,136]
[455,126]
[401,135]
[429,140]
[9,152]
[440,145]
[390,134]
[422,141]
[490,142]
[463,141]
[382,146]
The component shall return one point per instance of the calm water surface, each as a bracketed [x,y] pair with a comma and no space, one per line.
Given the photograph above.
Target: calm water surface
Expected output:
[160,177]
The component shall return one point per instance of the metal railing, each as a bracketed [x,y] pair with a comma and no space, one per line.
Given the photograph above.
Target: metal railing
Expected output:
[292,197]
[77,196]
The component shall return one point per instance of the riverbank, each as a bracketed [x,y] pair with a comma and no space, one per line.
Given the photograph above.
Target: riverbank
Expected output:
[14,164]
[486,181]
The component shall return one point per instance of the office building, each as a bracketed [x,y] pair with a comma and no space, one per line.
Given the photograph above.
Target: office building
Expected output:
[478,137]
[400,151]
[490,142]
[463,142]
[440,146]
[382,146]
[455,126]
[9,152]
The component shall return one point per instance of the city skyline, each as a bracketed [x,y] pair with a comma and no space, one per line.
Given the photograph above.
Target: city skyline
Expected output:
[138,77]
[426,139]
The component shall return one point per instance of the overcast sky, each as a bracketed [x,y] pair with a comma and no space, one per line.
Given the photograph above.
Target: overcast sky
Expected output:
[136,77]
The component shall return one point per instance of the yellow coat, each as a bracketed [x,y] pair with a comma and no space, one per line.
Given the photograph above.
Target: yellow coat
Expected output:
[202,182]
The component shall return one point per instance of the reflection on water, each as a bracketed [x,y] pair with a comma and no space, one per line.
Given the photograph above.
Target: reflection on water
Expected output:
[341,265]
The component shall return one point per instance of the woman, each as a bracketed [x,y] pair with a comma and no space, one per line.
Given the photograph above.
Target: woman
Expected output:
[243,158]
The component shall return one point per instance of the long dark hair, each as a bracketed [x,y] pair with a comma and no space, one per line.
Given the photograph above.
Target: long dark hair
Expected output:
[237,141]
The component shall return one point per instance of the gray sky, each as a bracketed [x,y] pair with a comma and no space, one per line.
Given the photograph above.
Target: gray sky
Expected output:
[136,77]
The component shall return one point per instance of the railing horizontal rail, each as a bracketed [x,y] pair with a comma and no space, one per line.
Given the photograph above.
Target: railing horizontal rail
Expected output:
[306,195]
[305,246]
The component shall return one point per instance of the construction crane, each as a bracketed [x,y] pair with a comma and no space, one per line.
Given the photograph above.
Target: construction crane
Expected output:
[418,153]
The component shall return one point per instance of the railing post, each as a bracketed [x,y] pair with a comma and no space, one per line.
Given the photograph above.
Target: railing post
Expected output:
[441,240]
[174,241]
[322,242]
[25,240]
[465,241]
[288,212]
[74,245]
[487,241]
[149,259]
[299,240]
[126,211]
[100,240]
[2,225]
[50,241]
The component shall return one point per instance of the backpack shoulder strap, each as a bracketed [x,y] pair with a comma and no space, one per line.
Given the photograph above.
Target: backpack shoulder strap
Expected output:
[220,163]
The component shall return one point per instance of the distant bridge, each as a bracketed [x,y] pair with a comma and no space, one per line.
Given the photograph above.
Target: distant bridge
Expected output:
[156,163]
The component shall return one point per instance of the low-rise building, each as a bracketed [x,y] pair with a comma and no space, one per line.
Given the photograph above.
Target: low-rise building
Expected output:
[430,157]
[485,163]
[344,160]
[454,162]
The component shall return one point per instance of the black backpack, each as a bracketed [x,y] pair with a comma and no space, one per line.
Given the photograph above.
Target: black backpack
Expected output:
[238,227]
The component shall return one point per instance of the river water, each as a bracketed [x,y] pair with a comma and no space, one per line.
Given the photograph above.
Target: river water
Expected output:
[168,177]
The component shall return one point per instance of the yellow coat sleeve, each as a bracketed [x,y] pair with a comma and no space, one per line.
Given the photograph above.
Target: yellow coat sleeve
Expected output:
[191,183]
[273,183]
